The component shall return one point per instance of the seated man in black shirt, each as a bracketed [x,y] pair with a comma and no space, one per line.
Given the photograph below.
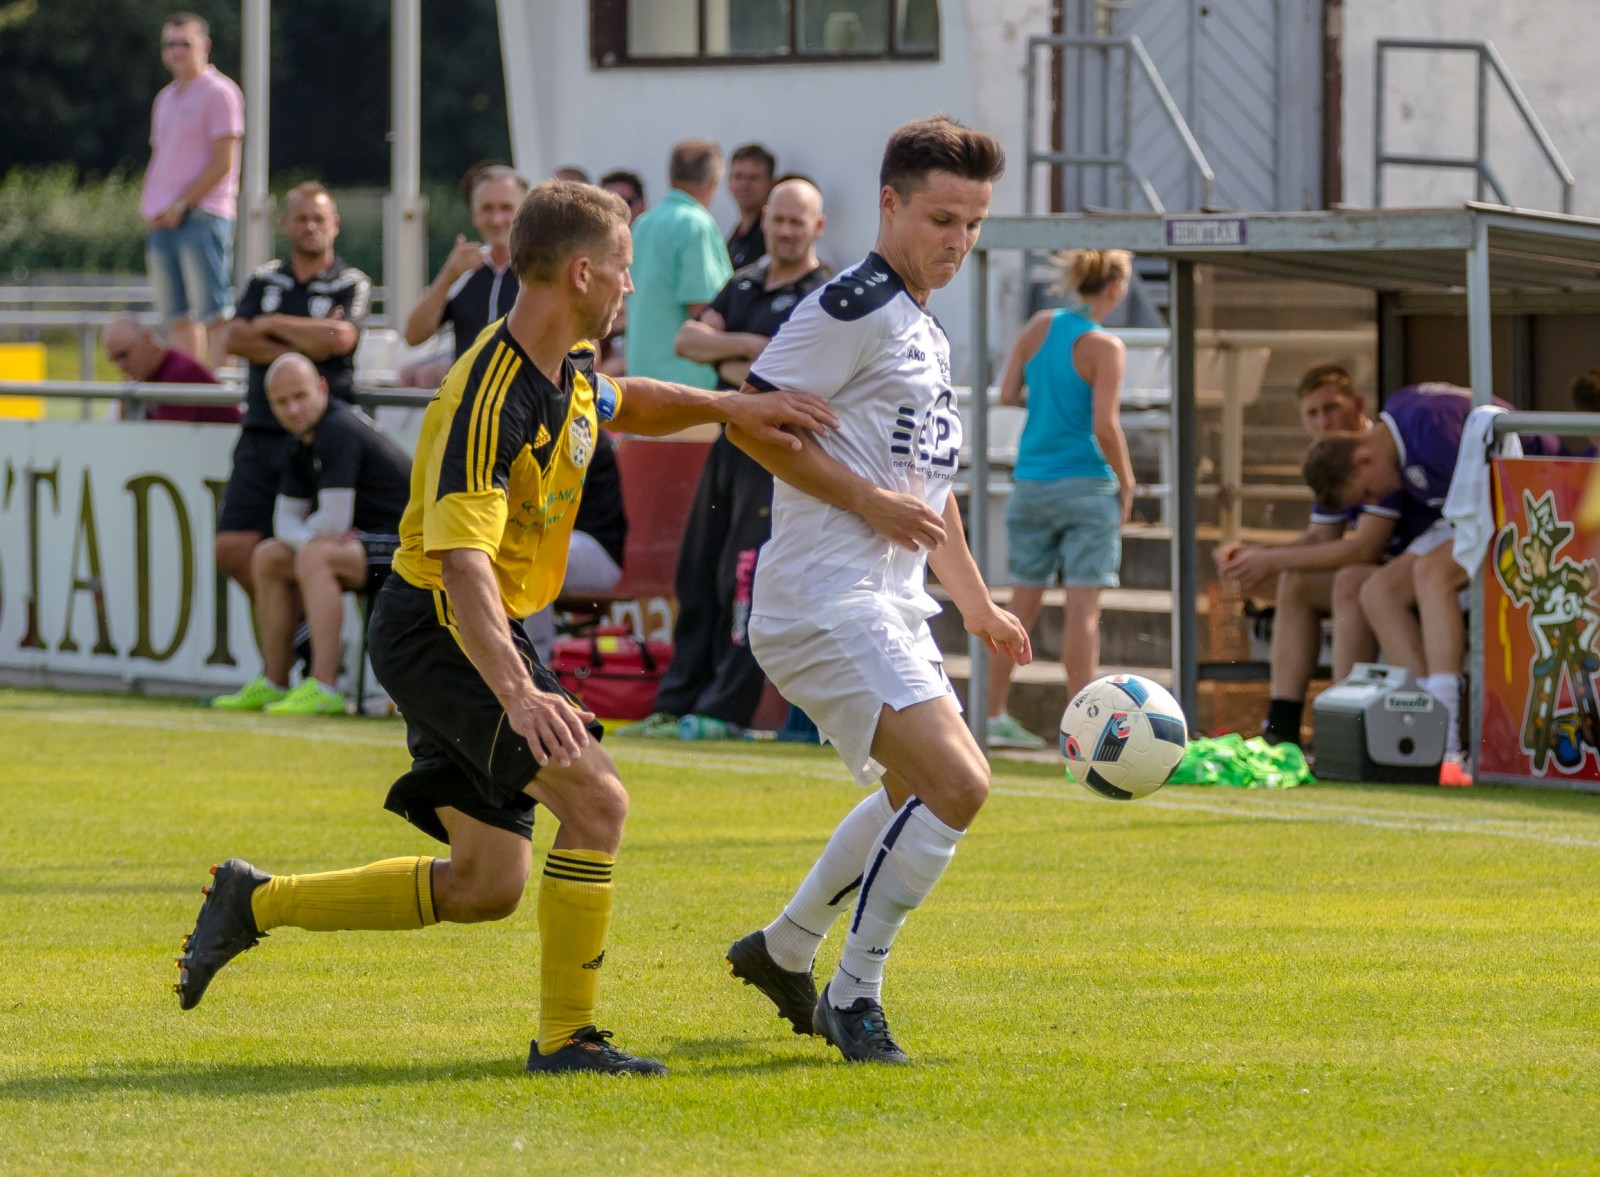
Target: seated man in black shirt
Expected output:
[335,526]
[311,303]
[714,677]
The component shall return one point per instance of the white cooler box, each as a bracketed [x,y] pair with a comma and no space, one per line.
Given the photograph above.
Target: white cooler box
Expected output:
[1379,726]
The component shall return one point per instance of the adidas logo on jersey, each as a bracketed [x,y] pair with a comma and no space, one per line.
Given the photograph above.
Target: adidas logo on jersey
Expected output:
[542,438]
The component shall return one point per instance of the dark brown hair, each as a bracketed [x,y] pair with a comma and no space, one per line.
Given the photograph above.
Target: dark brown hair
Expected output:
[938,144]
[623,176]
[758,153]
[1327,468]
[189,18]
[1331,374]
[1586,392]
[558,219]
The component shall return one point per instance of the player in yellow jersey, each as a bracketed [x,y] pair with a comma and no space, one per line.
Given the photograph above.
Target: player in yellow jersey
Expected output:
[495,486]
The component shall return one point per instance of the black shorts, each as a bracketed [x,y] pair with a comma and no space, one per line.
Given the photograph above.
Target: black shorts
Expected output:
[380,550]
[463,753]
[259,457]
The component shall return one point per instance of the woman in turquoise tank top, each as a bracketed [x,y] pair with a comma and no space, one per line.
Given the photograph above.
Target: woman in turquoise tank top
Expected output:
[1073,484]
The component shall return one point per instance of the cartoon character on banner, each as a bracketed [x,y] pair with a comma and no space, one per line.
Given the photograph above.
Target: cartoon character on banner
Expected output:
[1564,622]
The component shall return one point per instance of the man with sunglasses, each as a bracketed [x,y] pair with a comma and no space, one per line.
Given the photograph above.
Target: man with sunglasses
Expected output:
[191,190]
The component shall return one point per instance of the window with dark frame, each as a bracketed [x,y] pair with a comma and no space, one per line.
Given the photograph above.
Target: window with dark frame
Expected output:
[745,32]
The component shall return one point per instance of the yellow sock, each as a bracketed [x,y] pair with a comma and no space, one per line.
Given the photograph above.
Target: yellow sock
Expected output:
[574,916]
[393,894]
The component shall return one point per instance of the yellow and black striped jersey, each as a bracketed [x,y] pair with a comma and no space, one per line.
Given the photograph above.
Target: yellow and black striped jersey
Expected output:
[499,467]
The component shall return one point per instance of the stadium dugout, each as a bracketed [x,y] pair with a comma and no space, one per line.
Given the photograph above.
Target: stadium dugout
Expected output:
[1474,261]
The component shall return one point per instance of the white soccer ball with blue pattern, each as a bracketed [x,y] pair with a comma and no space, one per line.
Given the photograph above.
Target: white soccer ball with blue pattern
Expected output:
[1123,736]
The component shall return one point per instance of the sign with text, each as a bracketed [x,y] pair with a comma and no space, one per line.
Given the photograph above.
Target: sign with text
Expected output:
[1541,627]
[106,553]
[1199,232]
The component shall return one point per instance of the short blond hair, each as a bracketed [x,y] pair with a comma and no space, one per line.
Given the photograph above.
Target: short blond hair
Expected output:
[558,219]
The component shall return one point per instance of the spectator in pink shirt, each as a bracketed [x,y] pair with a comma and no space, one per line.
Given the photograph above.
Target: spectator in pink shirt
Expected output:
[140,356]
[191,190]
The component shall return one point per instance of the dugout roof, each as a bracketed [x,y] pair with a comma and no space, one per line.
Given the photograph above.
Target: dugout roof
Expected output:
[1486,252]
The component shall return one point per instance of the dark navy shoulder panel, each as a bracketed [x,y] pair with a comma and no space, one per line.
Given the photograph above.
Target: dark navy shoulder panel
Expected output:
[861,290]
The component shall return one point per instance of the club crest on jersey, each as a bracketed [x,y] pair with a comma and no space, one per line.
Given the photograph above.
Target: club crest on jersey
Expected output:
[1417,477]
[580,442]
[319,305]
[782,303]
[271,300]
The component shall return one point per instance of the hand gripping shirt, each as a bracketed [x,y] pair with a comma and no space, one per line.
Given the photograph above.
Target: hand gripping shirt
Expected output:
[883,364]
[499,467]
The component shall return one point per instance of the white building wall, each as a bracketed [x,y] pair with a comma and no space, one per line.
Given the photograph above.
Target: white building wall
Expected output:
[1549,49]
[828,121]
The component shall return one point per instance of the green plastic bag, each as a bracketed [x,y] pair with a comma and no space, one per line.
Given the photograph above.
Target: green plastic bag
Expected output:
[1243,764]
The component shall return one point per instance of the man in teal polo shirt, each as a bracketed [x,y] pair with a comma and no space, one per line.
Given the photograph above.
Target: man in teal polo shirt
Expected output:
[679,265]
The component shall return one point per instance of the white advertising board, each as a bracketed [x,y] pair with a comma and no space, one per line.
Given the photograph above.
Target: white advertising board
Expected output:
[106,554]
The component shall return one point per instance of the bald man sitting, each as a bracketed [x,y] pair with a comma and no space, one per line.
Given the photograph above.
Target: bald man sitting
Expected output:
[714,676]
[144,359]
[335,526]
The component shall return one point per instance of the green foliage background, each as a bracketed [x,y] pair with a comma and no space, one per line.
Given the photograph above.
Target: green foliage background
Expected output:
[77,80]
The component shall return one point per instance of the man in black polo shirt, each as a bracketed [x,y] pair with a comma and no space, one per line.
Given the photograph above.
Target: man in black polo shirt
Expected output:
[310,303]
[336,524]
[475,286]
[713,686]
[750,172]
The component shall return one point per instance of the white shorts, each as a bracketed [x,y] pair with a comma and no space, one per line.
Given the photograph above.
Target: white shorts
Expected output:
[1439,533]
[844,669]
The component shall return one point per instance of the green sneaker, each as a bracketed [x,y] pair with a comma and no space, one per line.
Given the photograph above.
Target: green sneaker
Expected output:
[253,696]
[309,698]
[658,726]
[1006,732]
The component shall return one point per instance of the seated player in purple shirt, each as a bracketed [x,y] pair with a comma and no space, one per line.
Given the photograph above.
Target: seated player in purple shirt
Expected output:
[1320,572]
[1407,459]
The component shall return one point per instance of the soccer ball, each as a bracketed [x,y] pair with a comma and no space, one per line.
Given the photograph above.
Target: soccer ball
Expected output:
[1123,736]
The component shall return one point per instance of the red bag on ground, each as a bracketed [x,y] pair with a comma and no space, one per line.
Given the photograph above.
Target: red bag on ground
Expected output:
[614,674]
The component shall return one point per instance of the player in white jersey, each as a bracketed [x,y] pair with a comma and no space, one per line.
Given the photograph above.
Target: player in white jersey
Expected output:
[839,616]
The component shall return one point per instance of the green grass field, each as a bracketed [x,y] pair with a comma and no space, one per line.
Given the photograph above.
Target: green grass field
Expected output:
[1328,980]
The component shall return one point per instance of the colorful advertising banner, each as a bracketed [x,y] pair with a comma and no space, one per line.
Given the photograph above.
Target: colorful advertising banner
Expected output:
[1541,626]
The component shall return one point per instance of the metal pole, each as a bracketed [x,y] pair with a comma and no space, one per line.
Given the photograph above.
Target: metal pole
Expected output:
[1185,580]
[1483,120]
[978,492]
[252,245]
[405,252]
[1377,128]
[1480,349]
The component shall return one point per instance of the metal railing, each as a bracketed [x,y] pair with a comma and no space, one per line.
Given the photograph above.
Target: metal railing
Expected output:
[85,310]
[1489,60]
[133,397]
[1135,59]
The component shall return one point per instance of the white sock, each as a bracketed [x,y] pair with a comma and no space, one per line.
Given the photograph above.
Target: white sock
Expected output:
[1447,689]
[793,938]
[902,867]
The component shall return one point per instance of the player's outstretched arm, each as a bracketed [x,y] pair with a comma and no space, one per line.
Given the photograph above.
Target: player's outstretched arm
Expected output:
[654,408]
[953,564]
[553,728]
[900,518]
